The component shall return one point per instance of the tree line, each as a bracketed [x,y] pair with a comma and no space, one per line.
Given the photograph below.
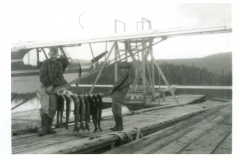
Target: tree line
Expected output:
[175,74]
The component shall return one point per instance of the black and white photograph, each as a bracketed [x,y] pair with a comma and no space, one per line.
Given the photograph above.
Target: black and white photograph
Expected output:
[120,77]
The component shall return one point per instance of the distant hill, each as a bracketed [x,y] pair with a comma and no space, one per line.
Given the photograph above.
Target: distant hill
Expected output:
[217,63]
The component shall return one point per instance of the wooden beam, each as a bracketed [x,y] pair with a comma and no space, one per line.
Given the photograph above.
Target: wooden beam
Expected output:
[143,75]
[164,78]
[151,80]
[115,65]
[153,76]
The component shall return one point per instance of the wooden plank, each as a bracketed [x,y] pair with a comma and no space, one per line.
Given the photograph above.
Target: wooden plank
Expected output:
[145,141]
[39,142]
[30,145]
[225,147]
[144,75]
[53,147]
[200,129]
[35,141]
[165,141]
[77,146]
[145,118]
[150,148]
[207,143]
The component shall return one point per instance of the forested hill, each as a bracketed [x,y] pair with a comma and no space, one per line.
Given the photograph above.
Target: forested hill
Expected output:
[175,73]
[220,63]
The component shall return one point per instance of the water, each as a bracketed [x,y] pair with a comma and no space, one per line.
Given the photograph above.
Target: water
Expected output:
[209,93]
[29,105]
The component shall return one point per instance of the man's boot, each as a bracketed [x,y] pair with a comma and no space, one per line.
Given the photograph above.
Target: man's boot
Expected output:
[119,126]
[44,129]
[49,126]
[115,123]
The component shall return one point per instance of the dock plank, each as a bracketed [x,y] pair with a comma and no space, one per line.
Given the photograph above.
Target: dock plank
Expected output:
[201,128]
[65,139]
[48,149]
[165,141]
[225,147]
[148,140]
[207,143]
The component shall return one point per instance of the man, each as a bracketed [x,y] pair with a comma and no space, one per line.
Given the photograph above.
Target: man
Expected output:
[118,94]
[51,77]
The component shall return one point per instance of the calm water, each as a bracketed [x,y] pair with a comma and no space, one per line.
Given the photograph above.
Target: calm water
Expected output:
[209,93]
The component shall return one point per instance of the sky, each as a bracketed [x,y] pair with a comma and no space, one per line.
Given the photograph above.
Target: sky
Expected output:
[45,20]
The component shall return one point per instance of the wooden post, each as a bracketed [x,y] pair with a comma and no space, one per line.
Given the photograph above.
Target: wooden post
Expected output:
[115,65]
[117,49]
[101,71]
[165,80]
[151,80]
[143,75]
[159,89]
[153,74]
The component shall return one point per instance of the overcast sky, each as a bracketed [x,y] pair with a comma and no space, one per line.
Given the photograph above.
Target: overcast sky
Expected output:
[33,20]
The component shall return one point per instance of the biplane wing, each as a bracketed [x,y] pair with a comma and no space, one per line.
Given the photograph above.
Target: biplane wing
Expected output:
[167,33]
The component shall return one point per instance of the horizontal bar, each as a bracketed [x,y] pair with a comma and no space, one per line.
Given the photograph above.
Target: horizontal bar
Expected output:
[178,87]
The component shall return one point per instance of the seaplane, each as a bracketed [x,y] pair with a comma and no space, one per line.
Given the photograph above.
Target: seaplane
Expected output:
[26,58]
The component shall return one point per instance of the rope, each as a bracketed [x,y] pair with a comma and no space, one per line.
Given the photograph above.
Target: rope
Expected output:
[139,134]
[130,139]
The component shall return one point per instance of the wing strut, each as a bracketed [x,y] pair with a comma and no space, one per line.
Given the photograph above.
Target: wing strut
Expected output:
[101,70]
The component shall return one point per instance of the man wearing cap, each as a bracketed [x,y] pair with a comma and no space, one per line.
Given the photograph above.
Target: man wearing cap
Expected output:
[51,77]
[118,94]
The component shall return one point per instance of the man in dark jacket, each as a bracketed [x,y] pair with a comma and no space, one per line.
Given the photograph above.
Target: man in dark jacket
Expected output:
[51,77]
[118,94]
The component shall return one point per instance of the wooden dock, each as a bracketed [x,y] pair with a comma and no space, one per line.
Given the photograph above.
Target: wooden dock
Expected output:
[196,128]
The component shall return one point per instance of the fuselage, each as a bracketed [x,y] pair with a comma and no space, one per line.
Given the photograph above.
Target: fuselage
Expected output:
[25,68]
